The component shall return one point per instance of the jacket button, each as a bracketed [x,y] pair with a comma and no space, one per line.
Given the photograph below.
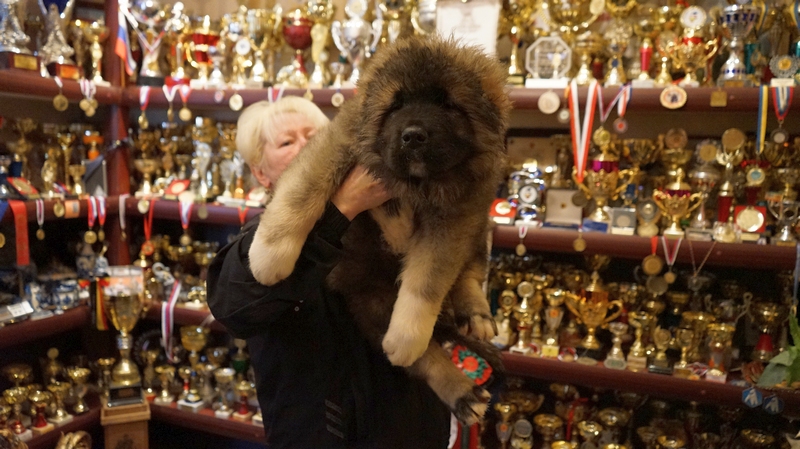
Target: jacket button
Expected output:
[297,309]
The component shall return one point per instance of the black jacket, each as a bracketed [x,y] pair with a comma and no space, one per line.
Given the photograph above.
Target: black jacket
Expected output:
[319,383]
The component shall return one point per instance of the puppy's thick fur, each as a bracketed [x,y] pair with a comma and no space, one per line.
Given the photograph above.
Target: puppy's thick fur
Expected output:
[429,121]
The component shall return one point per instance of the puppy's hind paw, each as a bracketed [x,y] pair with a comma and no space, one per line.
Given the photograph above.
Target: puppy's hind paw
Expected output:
[272,262]
[403,348]
[471,407]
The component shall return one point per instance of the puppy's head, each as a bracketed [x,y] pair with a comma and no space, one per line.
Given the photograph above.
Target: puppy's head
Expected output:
[430,108]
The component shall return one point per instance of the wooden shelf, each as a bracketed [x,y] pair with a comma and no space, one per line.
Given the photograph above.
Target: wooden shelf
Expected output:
[207,98]
[184,316]
[86,422]
[205,421]
[25,331]
[170,210]
[30,84]
[667,387]
[112,208]
[763,257]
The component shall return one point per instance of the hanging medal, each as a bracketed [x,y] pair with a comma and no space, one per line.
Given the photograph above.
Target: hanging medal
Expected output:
[144,100]
[782,101]
[601,136]
[148,248]
[579,244]
[670,276]
[186,202]
[60,101]
[580,131]
[549,102]
[236,101]
[653,264]
[620,124]
[90,236]
[521,249]
[101,218]
[88,104]
[761,129]
[122,223]
[185,113]
[40,218]
[59,210]
[169,94]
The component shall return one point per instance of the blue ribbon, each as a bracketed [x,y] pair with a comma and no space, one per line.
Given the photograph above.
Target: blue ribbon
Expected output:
[4,208]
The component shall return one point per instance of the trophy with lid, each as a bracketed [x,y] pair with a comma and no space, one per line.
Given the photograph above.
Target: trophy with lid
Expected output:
[204,40]
[355,36]
[14,53]
[737,21]
[56,53]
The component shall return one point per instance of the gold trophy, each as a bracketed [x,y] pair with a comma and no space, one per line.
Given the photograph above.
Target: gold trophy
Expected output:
[149,357]
[757,439]
[65,140]
[124,303]
[243,389]
[613,419]
[693,49]
[297,33]
[59,416]
[205,36]
[23,146]
[589,432]
[602,178]
[17,373]
[661,339]
[224,377]
[166,373]
[506,410]
[524,313]
[649,435]
[39,402]
[194,339]
[516,18]
[571,17]
[719,348]
[592,308]
[553,315]
[676,201]
[547,425]
[616,357]
[767,316]
[321,12]
[15,397]
[684,338]
[79,376]
[97,33]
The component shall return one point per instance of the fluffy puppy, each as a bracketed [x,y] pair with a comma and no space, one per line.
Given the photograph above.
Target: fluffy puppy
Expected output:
[429,121]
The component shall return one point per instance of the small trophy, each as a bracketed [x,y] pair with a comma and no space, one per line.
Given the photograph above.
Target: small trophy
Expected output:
[40,400]
[14,53]
[592,309]
[56,53]
[661,339]
[676,200]
[767,316]
[194,339]
[524,313]
[224,378]
[548,61]
[601,183]
[166,374]
[297,34]
[97,33]
[616,357]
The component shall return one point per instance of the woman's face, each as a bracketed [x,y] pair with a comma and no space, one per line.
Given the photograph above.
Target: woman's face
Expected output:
[294,130]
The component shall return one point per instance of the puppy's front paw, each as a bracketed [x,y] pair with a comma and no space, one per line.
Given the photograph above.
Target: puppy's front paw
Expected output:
[482,327]
[273,261]
[470,407]
[403,345]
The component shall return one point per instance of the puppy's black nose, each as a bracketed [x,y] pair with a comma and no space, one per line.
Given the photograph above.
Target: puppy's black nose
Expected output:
[413,136]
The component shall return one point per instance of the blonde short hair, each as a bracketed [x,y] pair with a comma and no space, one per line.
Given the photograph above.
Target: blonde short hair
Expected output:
[255,127]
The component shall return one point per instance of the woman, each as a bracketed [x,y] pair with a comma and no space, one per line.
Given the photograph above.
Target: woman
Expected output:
[319,384]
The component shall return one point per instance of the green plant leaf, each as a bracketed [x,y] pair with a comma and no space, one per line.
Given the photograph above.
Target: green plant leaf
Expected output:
[793,370]
[773,375]
[794,329]
[785,358]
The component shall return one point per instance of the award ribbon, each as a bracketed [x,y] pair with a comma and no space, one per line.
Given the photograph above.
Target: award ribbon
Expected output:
[20,212]
[88,103]
[122,222]
[243,215]
[90,236]
[185,113]
[761,129]
[40,218]
[144,100]
[580,131]
[782,101]
[270,92]
[522,231]
[186,216]
[147,246]
[670,277]
[167,314]
[621,100]
[169,94]
[101,217]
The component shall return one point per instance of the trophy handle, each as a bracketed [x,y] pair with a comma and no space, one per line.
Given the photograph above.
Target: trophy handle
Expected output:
[580,185]
[697,198]
[746,301]
[657,194]
[712,52]
[569,302]
[336,30]
[628,174]
[377,31]
[616,314]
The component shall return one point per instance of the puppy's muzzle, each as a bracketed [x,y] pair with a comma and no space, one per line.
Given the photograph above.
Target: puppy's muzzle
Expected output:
[413,137]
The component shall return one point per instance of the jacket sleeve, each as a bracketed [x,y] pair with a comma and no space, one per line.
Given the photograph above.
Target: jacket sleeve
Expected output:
[246,307]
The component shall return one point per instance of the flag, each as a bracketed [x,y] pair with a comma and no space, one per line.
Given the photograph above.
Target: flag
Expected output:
[123,45]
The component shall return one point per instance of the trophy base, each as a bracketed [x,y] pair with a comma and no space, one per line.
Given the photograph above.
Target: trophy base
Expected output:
[659,369]
[119,395]
[615,363]
[42,430]
[19,61]
[101,82]
[541,83]
[637,363]
[643,84]
[25,436]
[242,417]
[700,235]
[781,82]
[164,401]
[516,349]
[623,220]
[58,422]
[187,406]
[751,237]
[689,83]
[41,314]
[226,414]
[595,226]
[67,71]
[516,80]
[595,354]
[258,419]
[253,84]
[682,371]
[153,81]
[715,375]
[550,351]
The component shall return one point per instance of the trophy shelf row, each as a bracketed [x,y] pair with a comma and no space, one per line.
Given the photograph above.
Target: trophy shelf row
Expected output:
[19,82]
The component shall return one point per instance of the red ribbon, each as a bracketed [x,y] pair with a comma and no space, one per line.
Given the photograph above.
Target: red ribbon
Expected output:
[243,214]
[148,221]
[20,212]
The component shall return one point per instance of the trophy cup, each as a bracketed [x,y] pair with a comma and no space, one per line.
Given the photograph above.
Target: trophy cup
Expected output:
[262,25]
[617,35]
[59,416]
[39,402]
[515,17]
[767,316]
[675,201]
[297,34]
[152,15]
[193,338]
[692,50]
[524,313]
[506,410]
[719,345]
[423,17]
[684,339]
[613,419]
[395,15]
[122,300]
[224,378]
[757,439]
[703,179]
[354,37]
[661,338]
[97,33]
[616,358]
[243,389]
[17,373]
[76,171]
[65,140]
[20,148]
[166,374]
[649,435]
[14,51]
[592,309]
[177,30]
[79,376]
[787,214]
[553,315]
[737,21]
[149,357]
[589,431]
[15,397]
[601,184]
[547,425]
[204,40]
[571,17]
[56,53]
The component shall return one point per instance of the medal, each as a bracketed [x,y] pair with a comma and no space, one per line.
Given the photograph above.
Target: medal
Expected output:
[652,264]
[673,97]
[563,116]
[784,66]
[337,99]
[601,137]
[621,100]
[656,285]
[185,114]
[202,211]
[308,95]
[781,101]
[84,104]
[549,102]
[90,236]
[236,102]
[144,100]
[579,199]
[676,138]
[707,151]
[670,277]
[693,17]
[579,244]
[2,240]
[169,94]
[143,206]
[88,104]
[101,217]
[58,209]
[122,223]
[521,249]
[185,202]
[40,218]
[620,125]
[60,101]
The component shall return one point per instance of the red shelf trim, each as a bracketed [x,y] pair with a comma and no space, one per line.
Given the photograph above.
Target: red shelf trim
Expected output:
[24,82]
[170,210]
[205,421]
[26,331]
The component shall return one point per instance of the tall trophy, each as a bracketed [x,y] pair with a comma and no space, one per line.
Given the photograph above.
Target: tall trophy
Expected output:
[97,33]
[56,53]
[571,17]
[14,53]
[617,35]
[395,16]
[693,49]
[321,12]
[354,37]
[151,15]
[516,16]
[602,183]
[205,38]
[262,28]
[297,33]
[592,309]
[122,299]
[737,21]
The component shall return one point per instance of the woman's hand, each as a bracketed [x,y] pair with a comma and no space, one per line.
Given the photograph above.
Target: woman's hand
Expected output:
[359,192]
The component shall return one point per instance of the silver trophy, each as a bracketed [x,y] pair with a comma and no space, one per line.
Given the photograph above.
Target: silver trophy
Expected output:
[423,17]
[56,49]
[787,213]
[12,38]
[355,36]
[737,21]
[152,15]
